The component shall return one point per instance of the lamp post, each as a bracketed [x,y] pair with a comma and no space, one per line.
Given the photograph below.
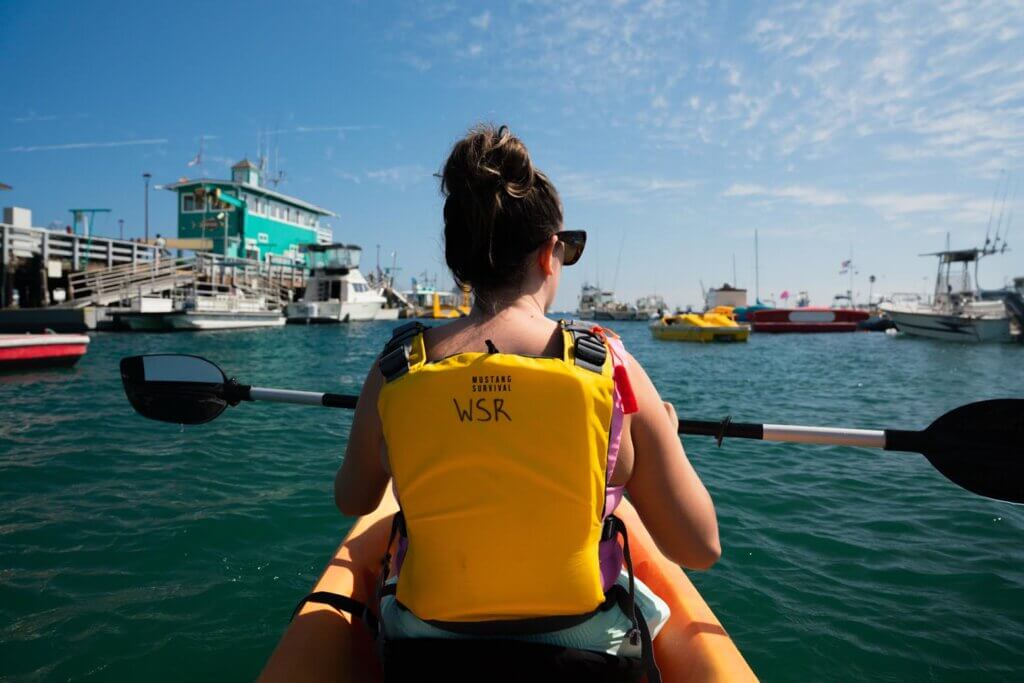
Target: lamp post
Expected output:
[223,218]
[147,176]
[120,224]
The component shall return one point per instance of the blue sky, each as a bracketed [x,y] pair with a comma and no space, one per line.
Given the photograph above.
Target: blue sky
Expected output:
[672,130]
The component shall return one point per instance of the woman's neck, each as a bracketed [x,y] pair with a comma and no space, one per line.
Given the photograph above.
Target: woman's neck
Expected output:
[488,308]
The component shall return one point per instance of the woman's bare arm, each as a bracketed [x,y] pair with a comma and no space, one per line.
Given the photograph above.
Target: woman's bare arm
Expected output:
[361,481]
[666,491]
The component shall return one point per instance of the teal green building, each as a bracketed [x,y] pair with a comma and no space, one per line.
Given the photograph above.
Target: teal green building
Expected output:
[260,222]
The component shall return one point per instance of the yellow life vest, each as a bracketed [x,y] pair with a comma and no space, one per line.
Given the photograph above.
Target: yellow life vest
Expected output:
[499,463]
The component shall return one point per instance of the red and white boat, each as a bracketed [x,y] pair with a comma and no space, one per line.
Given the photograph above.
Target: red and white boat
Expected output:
[20,351]
[807,319]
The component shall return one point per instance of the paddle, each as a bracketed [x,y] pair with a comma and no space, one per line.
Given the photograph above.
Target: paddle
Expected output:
[977,446]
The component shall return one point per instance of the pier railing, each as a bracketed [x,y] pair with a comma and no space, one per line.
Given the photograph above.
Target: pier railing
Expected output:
[107,285]
[100,287]
[80,250]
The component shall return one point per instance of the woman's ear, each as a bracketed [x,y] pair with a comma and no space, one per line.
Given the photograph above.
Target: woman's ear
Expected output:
[546,257]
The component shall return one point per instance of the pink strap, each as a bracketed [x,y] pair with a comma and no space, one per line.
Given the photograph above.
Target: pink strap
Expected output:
[613,494]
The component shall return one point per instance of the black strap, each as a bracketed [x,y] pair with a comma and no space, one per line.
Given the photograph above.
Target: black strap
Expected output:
[397,526]
[515,627]
[342,603]
[394,359]
[640,634]
[589,351]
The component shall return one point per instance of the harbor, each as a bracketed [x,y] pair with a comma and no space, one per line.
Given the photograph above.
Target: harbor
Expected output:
[636,341]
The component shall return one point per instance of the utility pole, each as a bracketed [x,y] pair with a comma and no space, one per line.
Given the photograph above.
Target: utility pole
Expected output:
[147,176]
[120,223]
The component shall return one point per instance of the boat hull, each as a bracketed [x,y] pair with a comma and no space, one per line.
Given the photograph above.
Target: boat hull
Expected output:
[143,322]
[223,321]
[951,327]
[31,351]
[322,644]
[387,314]
[806,320]
[700,334]
[321,312]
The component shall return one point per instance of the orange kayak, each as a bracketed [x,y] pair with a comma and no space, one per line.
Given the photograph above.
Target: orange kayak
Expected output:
[322,644]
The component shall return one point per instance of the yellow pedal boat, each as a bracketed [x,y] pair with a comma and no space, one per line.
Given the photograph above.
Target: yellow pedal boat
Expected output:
[716,325]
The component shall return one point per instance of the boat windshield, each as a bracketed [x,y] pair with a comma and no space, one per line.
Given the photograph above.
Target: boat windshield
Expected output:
[339,256]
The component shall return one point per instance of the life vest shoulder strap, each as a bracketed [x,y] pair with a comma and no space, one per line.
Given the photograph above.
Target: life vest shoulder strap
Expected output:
[395,358]
[583,347]
[586,349]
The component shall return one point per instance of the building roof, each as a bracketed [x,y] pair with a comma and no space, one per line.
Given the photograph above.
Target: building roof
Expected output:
[254,189]
[245,163]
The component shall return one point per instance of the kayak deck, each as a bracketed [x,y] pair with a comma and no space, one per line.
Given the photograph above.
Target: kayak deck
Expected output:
[322,644]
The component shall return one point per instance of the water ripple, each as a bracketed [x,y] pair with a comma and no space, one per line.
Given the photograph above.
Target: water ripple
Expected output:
[133,549]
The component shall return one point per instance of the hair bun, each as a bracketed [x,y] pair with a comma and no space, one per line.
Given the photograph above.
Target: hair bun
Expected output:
[497,207]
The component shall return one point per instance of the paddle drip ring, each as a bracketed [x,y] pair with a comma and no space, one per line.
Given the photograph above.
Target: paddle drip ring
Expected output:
[722,427]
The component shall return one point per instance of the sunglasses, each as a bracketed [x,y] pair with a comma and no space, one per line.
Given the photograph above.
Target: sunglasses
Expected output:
[573,240]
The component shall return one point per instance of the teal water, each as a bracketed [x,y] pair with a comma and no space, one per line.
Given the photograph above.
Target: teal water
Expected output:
[131,549]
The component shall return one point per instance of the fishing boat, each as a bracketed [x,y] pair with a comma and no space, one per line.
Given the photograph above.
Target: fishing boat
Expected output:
[716,325]
[26,351]
[650,307]
[958,310]
[322,644]
[600,304]
[807,320]
[336,292]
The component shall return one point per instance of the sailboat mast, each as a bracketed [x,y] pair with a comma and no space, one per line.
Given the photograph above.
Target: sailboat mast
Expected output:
[851,277]
[757,271]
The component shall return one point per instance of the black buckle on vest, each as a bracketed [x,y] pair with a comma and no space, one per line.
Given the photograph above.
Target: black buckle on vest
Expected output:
[590,352]
[395,363]
[611,528]
[588,349]
[403,334]
[394,360]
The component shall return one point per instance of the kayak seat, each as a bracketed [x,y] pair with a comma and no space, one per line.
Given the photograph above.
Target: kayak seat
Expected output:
[495,660]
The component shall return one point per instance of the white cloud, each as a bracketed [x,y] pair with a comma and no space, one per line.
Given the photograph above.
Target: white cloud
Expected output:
[587,187]
[483,21]
[956,208]
[401,176]
[32,117]
[797,193]
[89,145]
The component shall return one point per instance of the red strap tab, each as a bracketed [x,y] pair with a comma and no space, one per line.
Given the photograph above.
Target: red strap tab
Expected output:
[621,376]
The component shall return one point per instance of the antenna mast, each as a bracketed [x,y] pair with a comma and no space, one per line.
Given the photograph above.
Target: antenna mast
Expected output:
[757,271]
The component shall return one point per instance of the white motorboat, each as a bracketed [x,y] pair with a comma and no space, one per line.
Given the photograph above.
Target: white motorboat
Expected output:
[236,310]
[650,307]
[336,292]
[600,304]
[957,311]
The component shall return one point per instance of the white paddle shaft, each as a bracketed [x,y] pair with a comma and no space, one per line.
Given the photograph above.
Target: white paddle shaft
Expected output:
[834,436]
[305,398]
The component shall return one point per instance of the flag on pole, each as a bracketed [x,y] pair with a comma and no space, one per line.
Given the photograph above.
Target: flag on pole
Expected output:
[784,295]
[198,159]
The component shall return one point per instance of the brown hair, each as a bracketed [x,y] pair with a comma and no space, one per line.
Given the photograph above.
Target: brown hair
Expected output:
[498,208]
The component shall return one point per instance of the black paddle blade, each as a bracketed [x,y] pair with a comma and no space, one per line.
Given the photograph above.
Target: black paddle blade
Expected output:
[980,446]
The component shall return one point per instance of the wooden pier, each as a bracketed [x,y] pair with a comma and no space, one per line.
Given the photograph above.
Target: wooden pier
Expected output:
[36,261]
